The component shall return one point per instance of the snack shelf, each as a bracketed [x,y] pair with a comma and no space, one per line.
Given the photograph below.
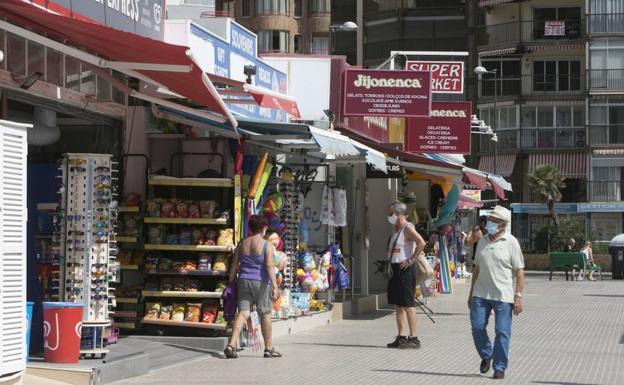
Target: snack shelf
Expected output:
[124,239]
[181,294]
[129,209]
[129,267]
[194,273]
[126,300]
[216,249]
[186,221]
[192,182]
[124,314]
[125,325]
[200,325]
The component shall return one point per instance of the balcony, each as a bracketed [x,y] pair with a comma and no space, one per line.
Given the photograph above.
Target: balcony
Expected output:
[552,138]
[602,80]
[605,191]
[533,85]
[605,23]
[574,192]
[507,140]
[513,33]
[606,135]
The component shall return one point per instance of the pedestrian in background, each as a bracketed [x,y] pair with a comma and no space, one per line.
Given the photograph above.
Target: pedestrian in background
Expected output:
[497,262]
[588,254]
[570,246]
[405,246]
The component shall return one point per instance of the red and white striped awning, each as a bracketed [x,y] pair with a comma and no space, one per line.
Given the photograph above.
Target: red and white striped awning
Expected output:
[609,152]
[568,165]
[489,3]
[504,164]
[556,47]
[498,52]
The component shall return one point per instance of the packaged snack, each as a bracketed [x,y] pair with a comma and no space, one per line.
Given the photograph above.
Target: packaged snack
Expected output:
[131,226]
[166,284]
[164,264]
[177,266]
[189,266]
[131,199]
[152,208]
[220,320]
[209,312]
[197,237]
[167,209]
[155,235]
[210,237]
[204,262]
[178,312]
[165,312]
[193,312]
[152,310]
[191,285]
[207,208]
[151,264]
[226,238]
[172,239]
[220,287]
[193,211]
[182,209]
[186,236]
[220,263]
[179,284]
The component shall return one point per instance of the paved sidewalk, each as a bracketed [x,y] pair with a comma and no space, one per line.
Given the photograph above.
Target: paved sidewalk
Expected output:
[570,333]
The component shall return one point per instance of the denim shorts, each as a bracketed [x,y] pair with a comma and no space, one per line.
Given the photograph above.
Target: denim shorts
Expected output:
[251,292]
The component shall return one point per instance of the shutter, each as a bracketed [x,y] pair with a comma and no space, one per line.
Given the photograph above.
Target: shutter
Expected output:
[13,215]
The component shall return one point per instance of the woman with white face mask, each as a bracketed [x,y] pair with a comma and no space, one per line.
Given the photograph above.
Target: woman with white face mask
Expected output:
[405,245]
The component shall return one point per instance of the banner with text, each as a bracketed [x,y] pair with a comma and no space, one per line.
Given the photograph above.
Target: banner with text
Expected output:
[387,93]
[447,131]
[447,77]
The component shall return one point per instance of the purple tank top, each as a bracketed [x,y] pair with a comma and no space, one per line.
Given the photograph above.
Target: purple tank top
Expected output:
[252,267]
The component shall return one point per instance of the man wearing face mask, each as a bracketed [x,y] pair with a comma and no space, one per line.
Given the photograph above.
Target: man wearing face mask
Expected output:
[498,263]
[405,245]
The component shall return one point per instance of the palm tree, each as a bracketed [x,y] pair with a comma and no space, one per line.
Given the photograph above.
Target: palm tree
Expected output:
[546,183]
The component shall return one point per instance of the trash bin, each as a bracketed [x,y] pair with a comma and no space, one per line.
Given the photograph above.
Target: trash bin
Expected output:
[62,327]
[616,249]
[29,313]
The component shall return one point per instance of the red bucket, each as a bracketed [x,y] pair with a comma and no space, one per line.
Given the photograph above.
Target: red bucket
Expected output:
[62,327]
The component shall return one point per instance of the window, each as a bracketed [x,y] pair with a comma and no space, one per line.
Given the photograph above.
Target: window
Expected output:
[507,117]
[16,53]
[273,41]
[272,7]
[552,75]
[606,16]
[298,43]
[298,8]
[36,58]
[319,7]
[319,44]
[54,67]
[72,73]
[246,11]
[553,116]
[571,16]
[607,63]
[507,78]
[87,80]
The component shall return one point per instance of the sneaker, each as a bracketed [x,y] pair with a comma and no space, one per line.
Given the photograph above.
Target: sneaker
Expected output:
[485,366]
[397,342]
[411,343]
[498,375]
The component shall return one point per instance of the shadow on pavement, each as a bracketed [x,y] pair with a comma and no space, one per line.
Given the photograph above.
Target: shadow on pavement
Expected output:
[370,316]
[559,383]
[604,295]
[343,345]
[429,373]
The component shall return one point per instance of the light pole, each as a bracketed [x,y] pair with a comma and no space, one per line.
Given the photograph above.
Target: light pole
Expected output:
[480,70]
[347,26]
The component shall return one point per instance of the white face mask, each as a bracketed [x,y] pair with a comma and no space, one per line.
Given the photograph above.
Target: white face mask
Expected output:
[392,219]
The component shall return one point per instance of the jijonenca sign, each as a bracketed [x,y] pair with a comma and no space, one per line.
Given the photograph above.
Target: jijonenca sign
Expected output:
[446,131]
[386,93]
[447,77]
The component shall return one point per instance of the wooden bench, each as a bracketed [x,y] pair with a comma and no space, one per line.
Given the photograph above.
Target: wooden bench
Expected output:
[566,261]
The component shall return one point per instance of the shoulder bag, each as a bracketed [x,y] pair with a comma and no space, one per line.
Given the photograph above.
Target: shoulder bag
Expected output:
[388,272]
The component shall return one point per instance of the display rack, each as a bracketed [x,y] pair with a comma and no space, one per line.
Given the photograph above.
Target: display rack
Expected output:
[48,250]
[88,239]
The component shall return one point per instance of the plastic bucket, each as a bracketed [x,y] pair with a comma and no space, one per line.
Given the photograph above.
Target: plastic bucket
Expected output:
[62,328]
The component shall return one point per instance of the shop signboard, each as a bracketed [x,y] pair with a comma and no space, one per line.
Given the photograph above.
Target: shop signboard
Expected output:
[142,17]
[606,207]
[447,77]
[214,61]
[541,208]
[393,171]
[554,28]
[386,93]
[473,194]
[447,131]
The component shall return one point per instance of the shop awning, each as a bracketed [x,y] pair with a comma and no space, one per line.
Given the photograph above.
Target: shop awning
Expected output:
[489,3]
[498,52]
[165,65]
[568,165]
[466,202]
[504,164]
[373,157]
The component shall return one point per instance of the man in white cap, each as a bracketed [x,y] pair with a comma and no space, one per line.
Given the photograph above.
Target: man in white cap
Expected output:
[498,261]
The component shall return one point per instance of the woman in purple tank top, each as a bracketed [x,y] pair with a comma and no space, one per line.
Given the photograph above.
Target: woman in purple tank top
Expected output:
[256,284]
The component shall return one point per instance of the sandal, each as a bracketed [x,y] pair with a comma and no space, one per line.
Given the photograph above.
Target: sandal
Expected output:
[230,352]
[271,353]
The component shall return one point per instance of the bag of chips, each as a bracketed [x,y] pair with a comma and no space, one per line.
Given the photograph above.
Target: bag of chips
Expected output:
[193,312]
[178,312]
[165,312]
[152,310]
[209,312]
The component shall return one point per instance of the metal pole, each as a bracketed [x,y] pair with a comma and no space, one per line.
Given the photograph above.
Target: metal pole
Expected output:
[495,125]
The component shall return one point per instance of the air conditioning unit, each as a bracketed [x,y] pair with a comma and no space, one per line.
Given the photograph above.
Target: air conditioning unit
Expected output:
[579,138]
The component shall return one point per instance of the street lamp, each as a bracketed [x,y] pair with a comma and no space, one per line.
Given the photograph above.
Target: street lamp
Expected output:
[480,70]
[347,26]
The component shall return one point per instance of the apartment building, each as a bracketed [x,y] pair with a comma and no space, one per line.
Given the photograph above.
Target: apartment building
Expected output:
[554,100]
[287,26]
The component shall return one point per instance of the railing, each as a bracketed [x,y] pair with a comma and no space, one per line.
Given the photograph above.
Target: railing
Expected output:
[530,31]
[606,79]
[574,192]
[552,138]
[272,12]
[214,13]
[605,23]
[319,51]
[568,84]
[507,140]
[606,134]
[605,191]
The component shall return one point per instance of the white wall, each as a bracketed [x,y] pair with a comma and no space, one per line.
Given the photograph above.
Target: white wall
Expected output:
[308,81]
